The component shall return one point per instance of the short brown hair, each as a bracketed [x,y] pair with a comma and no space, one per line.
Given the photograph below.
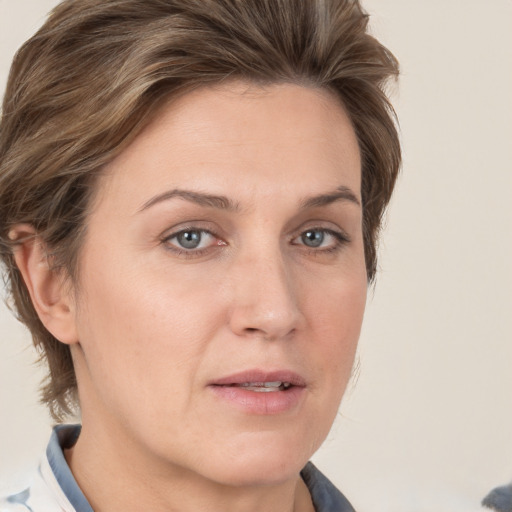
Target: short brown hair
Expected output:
[87,82]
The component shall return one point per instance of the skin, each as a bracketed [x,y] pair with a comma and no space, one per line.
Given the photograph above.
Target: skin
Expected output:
[153,323]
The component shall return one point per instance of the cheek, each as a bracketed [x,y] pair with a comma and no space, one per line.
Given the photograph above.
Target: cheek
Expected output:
[335,316]
[337,305]
[139,327]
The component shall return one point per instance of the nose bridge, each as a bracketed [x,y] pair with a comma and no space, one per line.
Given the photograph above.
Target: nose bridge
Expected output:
[264,301]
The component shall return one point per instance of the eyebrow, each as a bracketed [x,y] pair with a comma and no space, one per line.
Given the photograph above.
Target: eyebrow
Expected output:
[342,193]
[200,198]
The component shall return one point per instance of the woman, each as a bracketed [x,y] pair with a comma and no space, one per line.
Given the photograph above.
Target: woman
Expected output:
[190,198]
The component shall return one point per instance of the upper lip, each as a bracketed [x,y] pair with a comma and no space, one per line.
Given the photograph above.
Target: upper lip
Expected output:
[257,375]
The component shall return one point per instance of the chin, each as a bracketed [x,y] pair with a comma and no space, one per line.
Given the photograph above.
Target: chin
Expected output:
[265,460]
[253,473]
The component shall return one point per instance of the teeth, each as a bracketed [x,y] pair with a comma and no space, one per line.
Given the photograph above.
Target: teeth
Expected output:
[265,387]
[261,384]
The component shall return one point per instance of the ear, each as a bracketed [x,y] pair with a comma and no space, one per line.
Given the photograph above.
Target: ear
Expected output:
[49,290]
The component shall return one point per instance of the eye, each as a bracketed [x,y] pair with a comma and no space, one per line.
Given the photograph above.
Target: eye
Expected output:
[192,240]
[321,238]
[313,238]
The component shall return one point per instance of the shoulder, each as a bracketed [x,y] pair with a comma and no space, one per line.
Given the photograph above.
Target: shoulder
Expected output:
[326,497]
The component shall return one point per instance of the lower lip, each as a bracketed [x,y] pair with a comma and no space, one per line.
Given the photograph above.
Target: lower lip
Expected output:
[260,402]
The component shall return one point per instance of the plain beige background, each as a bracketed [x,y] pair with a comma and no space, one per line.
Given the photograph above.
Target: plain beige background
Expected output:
[428,425]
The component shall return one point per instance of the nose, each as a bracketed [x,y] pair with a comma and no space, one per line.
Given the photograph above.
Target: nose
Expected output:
[265,302]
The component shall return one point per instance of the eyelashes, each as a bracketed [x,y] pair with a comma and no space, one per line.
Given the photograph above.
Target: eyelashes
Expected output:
[194,242]
[314,238]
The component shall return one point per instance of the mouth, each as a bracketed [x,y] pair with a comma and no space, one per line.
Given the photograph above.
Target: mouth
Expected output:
[261,381]
[258,392]
[263,387]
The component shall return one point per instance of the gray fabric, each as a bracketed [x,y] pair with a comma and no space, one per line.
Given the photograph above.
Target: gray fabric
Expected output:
[499,499]
[326,498]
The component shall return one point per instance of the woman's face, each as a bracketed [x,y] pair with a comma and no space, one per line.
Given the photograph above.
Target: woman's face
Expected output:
[223,283]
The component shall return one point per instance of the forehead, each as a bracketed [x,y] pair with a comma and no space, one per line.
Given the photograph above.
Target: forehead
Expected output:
[242,137]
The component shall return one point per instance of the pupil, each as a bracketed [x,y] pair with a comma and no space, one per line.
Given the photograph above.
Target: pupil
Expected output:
[189,239]
[313,238]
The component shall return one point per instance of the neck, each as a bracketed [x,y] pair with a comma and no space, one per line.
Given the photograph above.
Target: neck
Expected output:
[116,476]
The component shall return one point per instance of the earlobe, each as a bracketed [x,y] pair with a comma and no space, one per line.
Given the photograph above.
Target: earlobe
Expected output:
[50,292]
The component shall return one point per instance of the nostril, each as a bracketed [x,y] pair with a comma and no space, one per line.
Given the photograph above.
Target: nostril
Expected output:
[254,332]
